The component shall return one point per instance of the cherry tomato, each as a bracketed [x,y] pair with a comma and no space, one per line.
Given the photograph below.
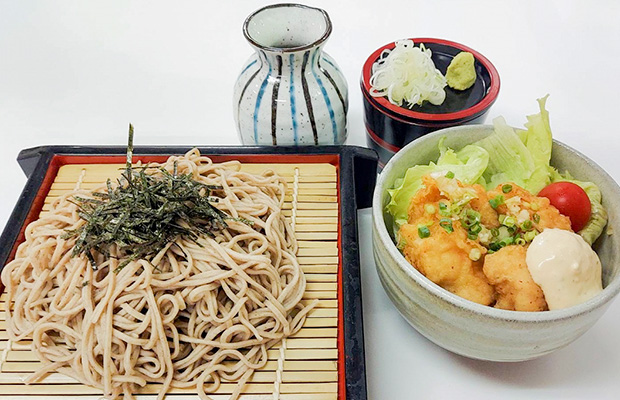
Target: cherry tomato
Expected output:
[571,200]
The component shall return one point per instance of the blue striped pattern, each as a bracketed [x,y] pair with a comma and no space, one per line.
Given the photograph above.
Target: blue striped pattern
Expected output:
[328,103]
[333,83]
[329,62]
[259,98]
[245,87]
[247,67]
[292,96]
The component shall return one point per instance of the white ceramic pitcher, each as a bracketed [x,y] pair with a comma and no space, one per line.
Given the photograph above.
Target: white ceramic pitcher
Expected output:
[290,92]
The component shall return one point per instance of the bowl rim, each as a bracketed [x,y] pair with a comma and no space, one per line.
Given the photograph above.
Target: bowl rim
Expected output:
[486,102]
[600,300]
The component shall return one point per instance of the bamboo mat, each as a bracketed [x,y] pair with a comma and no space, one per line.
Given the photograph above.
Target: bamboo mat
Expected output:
[309,368]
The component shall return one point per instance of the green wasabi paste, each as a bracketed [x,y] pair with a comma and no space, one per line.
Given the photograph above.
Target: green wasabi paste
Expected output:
[461,73]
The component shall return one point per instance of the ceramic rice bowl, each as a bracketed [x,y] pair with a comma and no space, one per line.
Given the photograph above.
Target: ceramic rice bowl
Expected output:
[468,328]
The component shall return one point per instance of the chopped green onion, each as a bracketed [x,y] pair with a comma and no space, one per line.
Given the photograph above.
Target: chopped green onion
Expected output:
[495,232]
[429,208]
[472,215]
[494,246]
[536,218]
[520,241]
[455,208]
[423,231]
[506,188]
[502,217]
[496,201]
[449,174]
[509,222]
[534,206]
[484,236]
[472,236]
[444,210]
[475,254]
[475,229]
[446,223]
[506,241]
[529,236]
[468,224]
[526,225]
[503,232]
[469,218]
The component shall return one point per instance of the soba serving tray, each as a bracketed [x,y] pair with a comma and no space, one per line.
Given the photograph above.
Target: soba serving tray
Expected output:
[326,186]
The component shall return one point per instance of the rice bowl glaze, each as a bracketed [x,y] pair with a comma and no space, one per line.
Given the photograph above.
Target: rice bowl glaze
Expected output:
[470,329]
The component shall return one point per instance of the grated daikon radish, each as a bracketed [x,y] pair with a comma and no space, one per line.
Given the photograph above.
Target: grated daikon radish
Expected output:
[407,75]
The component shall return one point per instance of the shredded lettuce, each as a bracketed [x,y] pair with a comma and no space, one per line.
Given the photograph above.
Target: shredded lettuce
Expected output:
[509,158]
[539,142]
[508,155]
[520,156]
[467,165]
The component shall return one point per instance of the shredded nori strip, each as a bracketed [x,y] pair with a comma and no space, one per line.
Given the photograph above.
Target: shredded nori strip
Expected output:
[144,212]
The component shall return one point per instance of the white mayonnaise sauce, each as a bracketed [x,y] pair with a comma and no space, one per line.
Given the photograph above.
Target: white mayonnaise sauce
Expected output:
[565,267]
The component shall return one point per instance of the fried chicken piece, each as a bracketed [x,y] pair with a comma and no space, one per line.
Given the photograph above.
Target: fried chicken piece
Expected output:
[429,194]
[516,290]
[550,217]
[444,188]
[488,216]
[443,257]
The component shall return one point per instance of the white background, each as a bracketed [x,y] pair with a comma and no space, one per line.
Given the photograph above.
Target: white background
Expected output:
[75,72]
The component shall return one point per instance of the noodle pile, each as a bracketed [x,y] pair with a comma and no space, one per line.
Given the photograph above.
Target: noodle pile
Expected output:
[197,313]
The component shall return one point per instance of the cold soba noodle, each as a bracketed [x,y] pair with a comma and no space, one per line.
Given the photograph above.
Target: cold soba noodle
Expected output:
[198,311]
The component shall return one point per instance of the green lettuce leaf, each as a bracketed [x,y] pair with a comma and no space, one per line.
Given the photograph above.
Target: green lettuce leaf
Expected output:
[520,156]
[539,142]
[467,165]
[509,158]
